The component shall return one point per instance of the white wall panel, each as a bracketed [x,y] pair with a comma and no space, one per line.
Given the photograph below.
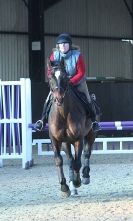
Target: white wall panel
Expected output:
[109,18]
[14,59]
[110,58]
[13,15]
[89,17]
[67,15]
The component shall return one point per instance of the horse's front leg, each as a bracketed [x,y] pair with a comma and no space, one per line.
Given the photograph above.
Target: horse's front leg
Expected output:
[88,144]
[59,163]
[70,158]
[78,147]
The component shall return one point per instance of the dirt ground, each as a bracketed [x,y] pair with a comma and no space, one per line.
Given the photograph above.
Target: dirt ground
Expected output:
[34,194]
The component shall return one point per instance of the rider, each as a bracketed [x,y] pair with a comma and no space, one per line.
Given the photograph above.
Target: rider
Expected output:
[75,68]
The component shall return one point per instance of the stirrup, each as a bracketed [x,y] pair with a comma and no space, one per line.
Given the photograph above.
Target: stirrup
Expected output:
[95,126]
[39,125]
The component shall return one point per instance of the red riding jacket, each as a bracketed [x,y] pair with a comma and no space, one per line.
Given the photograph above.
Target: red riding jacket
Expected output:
[79,70]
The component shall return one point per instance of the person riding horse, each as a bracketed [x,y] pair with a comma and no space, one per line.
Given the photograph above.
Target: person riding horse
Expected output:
[75,68]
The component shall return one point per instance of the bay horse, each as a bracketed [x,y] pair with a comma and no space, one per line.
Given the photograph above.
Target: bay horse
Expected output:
[69,124]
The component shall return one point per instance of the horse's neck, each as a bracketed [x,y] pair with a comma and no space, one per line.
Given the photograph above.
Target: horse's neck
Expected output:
[62,110]
[71,106]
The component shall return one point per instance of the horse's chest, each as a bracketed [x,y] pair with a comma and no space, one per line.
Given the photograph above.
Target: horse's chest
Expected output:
[64,133]
[58,133]
[65,128]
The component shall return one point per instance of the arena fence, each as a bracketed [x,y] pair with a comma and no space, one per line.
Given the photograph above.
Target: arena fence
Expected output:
[111,145]
[102,145]
[15,116]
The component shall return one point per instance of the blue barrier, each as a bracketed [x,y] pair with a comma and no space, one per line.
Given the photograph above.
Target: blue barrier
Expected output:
[116,125]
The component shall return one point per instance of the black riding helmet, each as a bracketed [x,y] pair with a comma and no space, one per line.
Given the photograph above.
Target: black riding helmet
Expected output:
[64,38]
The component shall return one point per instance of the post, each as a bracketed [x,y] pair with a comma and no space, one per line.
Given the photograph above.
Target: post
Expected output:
[26,120]
[29,120]
[36,39]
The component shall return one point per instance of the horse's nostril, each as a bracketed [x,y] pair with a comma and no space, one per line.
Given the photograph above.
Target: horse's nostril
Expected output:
[58,101]
[59,104]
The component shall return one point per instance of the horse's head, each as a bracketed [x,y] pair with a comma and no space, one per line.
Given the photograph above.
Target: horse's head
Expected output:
[58,81]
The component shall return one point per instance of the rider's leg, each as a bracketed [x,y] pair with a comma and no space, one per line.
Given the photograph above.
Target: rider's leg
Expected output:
[82,87]
[46,109]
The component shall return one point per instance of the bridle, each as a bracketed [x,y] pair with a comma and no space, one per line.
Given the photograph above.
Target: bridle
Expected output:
[58,74]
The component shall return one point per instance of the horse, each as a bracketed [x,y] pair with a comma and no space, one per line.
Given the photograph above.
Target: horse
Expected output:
[70,124]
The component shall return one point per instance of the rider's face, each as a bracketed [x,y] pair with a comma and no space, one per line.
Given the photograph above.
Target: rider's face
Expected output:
[64,47]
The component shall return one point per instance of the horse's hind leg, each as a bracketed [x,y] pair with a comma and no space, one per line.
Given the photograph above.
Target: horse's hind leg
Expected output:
[88,143]
[59,163]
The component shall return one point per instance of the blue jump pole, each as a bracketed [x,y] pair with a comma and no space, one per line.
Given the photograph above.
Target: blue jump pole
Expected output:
[116,125]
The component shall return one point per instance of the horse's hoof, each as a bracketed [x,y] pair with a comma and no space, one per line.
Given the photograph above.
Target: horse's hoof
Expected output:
[85,181]
[65,190]
[66,194]
[77,183]
[74,192]
[77,180]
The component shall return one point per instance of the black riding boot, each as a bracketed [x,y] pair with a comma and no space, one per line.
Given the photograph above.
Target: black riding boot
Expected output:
[95,124]
[40,124]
